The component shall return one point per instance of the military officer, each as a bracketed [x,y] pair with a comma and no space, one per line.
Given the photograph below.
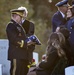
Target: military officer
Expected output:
[29,29]
[17,51]
[70,26]
[59,17]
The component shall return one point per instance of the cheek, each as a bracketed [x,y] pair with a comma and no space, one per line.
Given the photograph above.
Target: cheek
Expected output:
[66,9]
[19,18]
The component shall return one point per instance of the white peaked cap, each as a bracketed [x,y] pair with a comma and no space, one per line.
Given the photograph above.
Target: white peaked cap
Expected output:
[23,8]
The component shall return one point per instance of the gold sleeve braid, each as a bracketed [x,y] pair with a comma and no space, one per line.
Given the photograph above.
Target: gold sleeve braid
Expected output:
[21,43]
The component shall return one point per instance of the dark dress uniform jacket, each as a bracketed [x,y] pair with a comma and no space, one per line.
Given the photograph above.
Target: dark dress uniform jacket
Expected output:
[70,26]
[57,20]
[29,29]
[15,34]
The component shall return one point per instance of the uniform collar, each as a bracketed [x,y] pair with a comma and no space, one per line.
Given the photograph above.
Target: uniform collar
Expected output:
[63,15]
[23,21]
[13,21]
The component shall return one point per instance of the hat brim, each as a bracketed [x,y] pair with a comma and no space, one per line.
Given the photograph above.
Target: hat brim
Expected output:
[18,13]
[70,6]
[65,5]
[62,3]
[16,10]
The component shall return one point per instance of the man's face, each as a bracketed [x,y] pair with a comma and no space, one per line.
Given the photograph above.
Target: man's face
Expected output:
[65,8]
[18,19]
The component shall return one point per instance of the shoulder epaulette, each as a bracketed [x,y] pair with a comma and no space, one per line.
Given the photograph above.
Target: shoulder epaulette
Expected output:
[10,22]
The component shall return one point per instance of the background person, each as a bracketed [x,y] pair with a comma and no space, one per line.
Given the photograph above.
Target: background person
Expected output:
[29,29]
[70,26]
[67,47]
[69,13]
[59,17]
[55,52]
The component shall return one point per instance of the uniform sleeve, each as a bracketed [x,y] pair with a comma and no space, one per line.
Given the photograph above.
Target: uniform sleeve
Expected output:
[56,22]
[31,29]
[13,37]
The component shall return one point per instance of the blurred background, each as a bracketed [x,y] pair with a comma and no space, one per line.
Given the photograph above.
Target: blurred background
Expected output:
[40,13]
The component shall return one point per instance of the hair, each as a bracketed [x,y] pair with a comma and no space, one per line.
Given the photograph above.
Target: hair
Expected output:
[72,11]
[56,40]
[64,31]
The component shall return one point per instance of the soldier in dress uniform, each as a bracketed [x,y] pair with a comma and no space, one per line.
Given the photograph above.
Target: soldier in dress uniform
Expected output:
[70,26]
[29,29]
[17,51]
[59,17]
